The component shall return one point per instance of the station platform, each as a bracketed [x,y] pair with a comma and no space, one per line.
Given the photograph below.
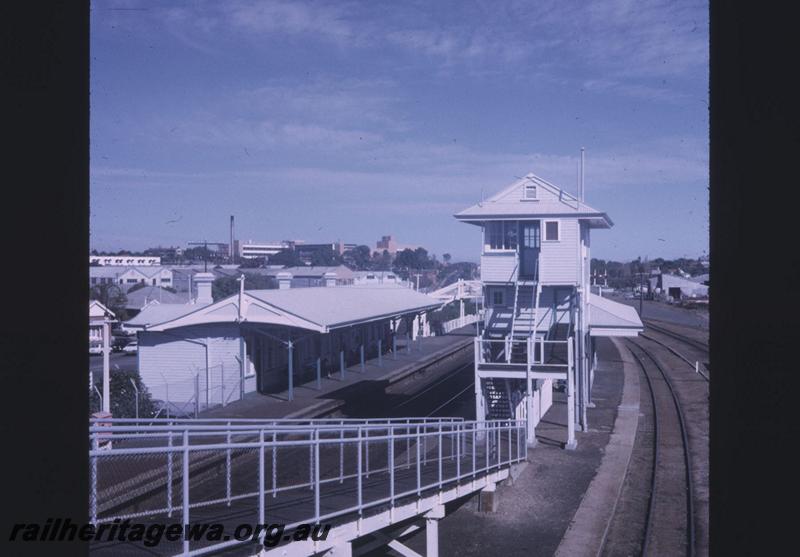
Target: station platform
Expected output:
[335,391]
[538,509]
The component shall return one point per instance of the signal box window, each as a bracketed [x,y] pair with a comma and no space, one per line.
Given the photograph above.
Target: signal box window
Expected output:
[551,231]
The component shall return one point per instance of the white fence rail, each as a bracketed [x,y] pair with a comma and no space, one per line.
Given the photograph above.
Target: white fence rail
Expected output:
[458,322]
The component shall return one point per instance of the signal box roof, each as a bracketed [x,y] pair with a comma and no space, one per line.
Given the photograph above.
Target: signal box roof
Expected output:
[532,197]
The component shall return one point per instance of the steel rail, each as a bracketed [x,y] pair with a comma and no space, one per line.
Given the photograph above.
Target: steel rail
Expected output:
[437,383]
[678,354]
[449,401]
[690,533]
[670,333]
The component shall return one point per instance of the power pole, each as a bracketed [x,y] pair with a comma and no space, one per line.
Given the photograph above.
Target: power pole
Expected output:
[641,292]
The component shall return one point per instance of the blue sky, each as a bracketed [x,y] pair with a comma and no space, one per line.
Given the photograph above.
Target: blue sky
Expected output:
[350,120]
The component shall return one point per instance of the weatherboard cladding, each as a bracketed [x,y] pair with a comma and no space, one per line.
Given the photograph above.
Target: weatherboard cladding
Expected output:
[175,357]
[498,267]
[559,260]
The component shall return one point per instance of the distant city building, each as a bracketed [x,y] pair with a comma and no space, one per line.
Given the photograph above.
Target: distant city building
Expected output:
[678,287]
[124,260]
[306,251]
[342,247]
[388,243]
[125,277]
[254,250]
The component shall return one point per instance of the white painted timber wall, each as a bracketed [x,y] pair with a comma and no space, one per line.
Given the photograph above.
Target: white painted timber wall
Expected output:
[558,261]
[498,267]
[542,400]
[170,358]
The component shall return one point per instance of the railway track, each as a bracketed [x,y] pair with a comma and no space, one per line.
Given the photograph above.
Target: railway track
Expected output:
[699,345]
[669,521]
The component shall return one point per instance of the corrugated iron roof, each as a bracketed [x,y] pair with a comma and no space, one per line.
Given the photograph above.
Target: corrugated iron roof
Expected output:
[316,308]
[607,314]
[551,201]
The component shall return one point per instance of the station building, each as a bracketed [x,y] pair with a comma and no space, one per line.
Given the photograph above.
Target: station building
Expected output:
[268,340]
[540,317]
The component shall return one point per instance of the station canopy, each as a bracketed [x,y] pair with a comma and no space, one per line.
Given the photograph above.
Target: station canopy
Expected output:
[612,319]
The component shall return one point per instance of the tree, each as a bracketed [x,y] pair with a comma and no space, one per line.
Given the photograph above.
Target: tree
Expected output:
[253,263]
[287,257]
[446,258]
[381,261]
[325,257]
[111,296]
[360,257]
[228,286]
[122,395]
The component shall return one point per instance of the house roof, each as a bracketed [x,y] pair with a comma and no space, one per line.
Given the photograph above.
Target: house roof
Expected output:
[111,271]
[609,318]
[551,201]
[98,310]
[674,281]
[314,271]
[318,308]
[143,296]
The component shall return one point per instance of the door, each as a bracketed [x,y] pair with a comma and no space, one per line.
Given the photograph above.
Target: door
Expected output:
[529,249]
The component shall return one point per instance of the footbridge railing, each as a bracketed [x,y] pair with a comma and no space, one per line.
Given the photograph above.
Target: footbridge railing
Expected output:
[291,472]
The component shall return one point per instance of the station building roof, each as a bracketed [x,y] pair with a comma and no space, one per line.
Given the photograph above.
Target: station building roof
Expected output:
[320,309]
[549,201]
[608,318]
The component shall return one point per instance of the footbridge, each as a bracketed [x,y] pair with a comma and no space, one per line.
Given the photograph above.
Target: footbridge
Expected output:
[372,481]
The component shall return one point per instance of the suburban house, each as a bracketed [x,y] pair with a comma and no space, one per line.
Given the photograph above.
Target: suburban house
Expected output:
[377,277]
[541,318]
[98,316]
[124,260]
[125,277]
[139,299]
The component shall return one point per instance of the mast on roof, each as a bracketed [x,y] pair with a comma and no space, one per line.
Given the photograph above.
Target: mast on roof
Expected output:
[581,192]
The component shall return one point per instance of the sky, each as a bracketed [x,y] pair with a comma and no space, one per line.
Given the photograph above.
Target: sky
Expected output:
[327,121]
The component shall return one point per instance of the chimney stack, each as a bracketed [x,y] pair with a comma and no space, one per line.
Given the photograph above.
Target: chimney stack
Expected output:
[231,252]
[330,279]
[203,283]
[284,280]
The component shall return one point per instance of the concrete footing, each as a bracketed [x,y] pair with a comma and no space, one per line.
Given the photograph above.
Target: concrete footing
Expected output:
[489,500]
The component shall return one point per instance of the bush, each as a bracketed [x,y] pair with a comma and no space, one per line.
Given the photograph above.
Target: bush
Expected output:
[123,396]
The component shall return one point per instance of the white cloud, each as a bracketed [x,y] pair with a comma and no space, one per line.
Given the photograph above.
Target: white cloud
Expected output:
[328,21]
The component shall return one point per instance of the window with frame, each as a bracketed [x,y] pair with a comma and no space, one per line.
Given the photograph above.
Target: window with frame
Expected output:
[497,298]
[502,235]
[551,231]
[530,191]
[494,232]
